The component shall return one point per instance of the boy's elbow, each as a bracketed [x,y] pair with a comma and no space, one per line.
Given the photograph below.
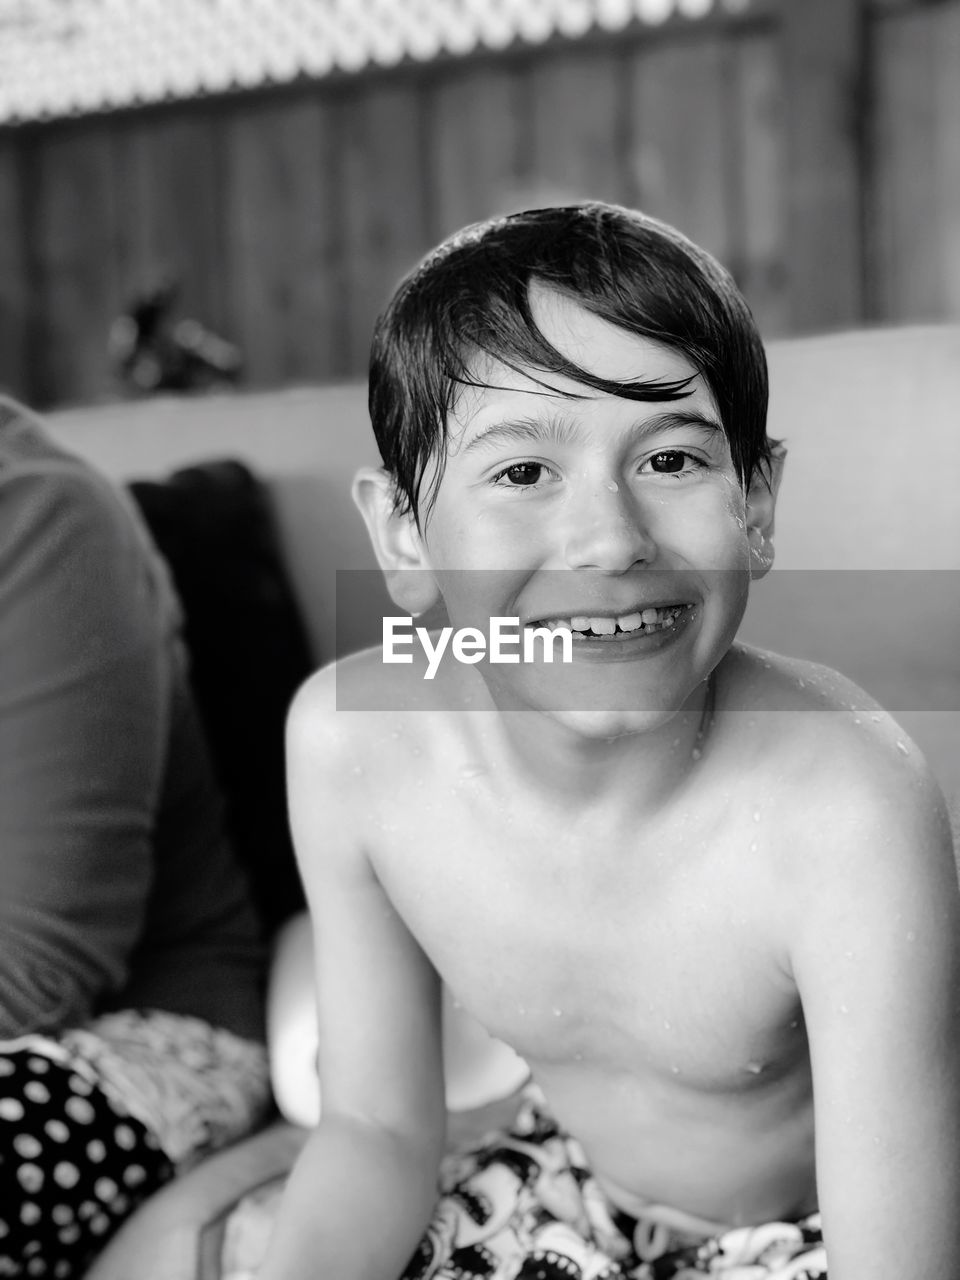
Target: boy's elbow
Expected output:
[417,1139]
[409,1149]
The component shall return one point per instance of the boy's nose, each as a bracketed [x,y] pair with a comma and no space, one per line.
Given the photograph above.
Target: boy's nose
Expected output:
[606,529]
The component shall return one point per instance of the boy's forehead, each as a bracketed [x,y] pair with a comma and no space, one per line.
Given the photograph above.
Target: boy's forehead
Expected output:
[588,341]
[495,387]
[598,345]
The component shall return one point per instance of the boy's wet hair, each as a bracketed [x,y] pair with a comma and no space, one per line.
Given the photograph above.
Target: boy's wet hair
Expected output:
[469,299]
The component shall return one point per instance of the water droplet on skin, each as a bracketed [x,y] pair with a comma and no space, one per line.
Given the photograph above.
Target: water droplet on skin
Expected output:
[856,719]
[875,719]
[696,753]
[357,771]
[557,1013]
[801,684]
[666,1025]
[675,1069]
[613,487]
[468,771]
[753,846]
[911,936]
[756,815]
[844,1009]
[848,955]
[903,748]
[754,1068]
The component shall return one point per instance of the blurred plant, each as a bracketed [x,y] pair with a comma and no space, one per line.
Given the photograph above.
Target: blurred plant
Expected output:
[151,350]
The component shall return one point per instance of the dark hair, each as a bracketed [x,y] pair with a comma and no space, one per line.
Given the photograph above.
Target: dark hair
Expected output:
[470,297]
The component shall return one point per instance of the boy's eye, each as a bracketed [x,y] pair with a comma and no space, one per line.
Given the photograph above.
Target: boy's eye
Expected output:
[670,462]
[521,474]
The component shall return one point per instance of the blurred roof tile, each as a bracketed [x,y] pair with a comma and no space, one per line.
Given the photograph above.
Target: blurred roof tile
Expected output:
[68,57]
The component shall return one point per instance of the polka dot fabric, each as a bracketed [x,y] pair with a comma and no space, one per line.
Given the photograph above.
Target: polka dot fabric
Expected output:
[72,1167]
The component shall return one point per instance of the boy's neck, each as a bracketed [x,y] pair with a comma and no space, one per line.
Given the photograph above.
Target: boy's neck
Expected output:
[648,767]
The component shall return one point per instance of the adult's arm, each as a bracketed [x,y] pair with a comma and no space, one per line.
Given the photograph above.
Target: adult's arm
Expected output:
[84,687]
[178,1232]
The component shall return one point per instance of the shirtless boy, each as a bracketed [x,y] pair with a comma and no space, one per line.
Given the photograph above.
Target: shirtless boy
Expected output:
[712,907]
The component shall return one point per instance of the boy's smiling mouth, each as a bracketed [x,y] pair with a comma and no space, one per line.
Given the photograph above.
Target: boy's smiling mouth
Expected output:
[612,627]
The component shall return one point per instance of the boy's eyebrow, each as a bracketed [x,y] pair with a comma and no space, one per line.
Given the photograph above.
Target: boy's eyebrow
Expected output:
[558,429]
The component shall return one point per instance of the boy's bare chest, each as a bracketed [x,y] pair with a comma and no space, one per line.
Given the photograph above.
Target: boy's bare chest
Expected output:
[631,950]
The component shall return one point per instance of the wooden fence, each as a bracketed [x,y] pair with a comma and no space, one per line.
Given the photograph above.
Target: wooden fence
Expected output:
[813,145]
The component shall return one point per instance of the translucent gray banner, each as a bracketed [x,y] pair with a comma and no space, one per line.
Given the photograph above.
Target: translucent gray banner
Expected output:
[894,633]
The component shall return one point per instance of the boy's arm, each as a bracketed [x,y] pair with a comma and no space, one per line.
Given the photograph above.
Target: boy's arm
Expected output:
[877,963]
[362,1191]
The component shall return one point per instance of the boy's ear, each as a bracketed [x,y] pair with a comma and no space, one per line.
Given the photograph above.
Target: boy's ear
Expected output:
[761,510]
[397,542]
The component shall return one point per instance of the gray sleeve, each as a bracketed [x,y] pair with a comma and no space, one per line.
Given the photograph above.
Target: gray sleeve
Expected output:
[84,687]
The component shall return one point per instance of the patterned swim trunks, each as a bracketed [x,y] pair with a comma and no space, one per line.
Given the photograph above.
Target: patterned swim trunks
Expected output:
[523,1205]
[94,1121]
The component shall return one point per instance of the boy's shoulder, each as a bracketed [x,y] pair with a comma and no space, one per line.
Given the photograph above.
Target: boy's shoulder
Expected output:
[354,712]
[832,753]
[854,839]
[364,682]
[811,713]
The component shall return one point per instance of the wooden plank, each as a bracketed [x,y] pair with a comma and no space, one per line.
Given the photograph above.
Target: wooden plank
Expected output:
[822,60]
[383,210]
[758,260]
[578,111]
[74,238]
[171,159]
[682,147]
[15,319]
[281,265]
[475,134]
[905,269]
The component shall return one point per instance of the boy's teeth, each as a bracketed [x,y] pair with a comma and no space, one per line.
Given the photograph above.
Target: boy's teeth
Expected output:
[628,622]
[631,621]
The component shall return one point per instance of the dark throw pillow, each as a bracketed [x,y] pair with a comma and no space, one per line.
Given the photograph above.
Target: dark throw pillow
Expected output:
[249,653]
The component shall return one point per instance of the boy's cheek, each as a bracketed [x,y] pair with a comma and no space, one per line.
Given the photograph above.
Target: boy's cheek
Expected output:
[480,542]
[713,540]
[472,596]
